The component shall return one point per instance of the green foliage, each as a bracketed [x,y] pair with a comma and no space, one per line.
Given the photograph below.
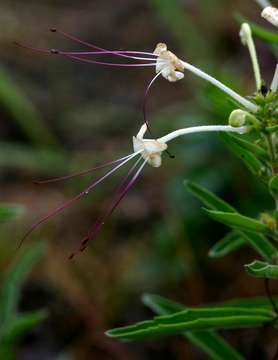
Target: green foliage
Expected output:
[14,325]
[10,211]
[262,269]
[237,221]
[194,319]
[245,227]
[23,112]
[273,184]
[208,341]
[231,242]
[256,166]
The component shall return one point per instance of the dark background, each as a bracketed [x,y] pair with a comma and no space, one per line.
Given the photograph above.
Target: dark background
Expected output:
[76,115]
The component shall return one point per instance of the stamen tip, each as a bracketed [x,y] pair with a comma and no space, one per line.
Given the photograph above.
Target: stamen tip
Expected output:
[71,256]
[54,51]
[53,29]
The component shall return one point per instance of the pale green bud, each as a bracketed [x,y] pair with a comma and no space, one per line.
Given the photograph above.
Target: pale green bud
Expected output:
[240,118]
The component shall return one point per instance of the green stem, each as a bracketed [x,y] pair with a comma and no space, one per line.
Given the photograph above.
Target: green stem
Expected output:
[272,153]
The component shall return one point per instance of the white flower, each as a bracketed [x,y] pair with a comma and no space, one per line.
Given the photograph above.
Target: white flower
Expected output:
[168,64]
[270,13]
[150,149]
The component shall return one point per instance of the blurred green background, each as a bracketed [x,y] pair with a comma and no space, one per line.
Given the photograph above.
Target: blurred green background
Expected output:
[59,116]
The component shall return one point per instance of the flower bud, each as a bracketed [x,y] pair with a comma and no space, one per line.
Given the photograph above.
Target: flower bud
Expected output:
[245,33]
[237,118]
[240,118]
[270,13]
[268,220]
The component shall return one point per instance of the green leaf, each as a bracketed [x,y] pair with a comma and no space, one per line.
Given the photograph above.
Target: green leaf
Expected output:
[23,323]
[236,220]
[13,280]
[208,198]
[248,145]
[208,341]
[262,269]
[261,244]
[10,211]
[213,318]
[23,112]
[254,165]
[273,184]
[230,243]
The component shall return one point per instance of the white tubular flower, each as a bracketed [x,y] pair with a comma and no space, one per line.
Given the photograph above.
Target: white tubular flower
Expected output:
[168,64]
[270,13]
[150,149]
[247,40]
[144,151]
[274,83]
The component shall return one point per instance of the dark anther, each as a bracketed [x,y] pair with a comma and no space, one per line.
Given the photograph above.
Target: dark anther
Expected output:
[53,29]
[264,90]
[54,51]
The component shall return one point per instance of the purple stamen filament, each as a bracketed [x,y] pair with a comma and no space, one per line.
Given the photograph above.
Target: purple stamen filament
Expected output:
[68,203]
[122,190]
[82,173]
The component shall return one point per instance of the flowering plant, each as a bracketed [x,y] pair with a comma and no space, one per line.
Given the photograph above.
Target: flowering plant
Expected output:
[254,124]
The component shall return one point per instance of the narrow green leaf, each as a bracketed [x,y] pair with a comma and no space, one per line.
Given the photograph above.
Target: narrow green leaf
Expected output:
[194,319]
[208,341]
[248,145]
[261,244]
[23,112]
[272,129]
[236,220]
[208,198]
[23,323]
[230,243]
[254,165]
[10,211]
[262,269]
[273,184]
[14,278]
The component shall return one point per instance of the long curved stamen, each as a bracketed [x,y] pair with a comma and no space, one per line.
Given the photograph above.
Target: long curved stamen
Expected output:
[120,194]
[81,173]
[90,45]
[68,203]
[145,100]
[145,110]
[61,53]
[106,52]
[107,63]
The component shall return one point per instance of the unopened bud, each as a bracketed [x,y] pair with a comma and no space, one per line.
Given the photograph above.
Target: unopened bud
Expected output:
[269,221]
[240,118]
[270,13]
[245,33]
